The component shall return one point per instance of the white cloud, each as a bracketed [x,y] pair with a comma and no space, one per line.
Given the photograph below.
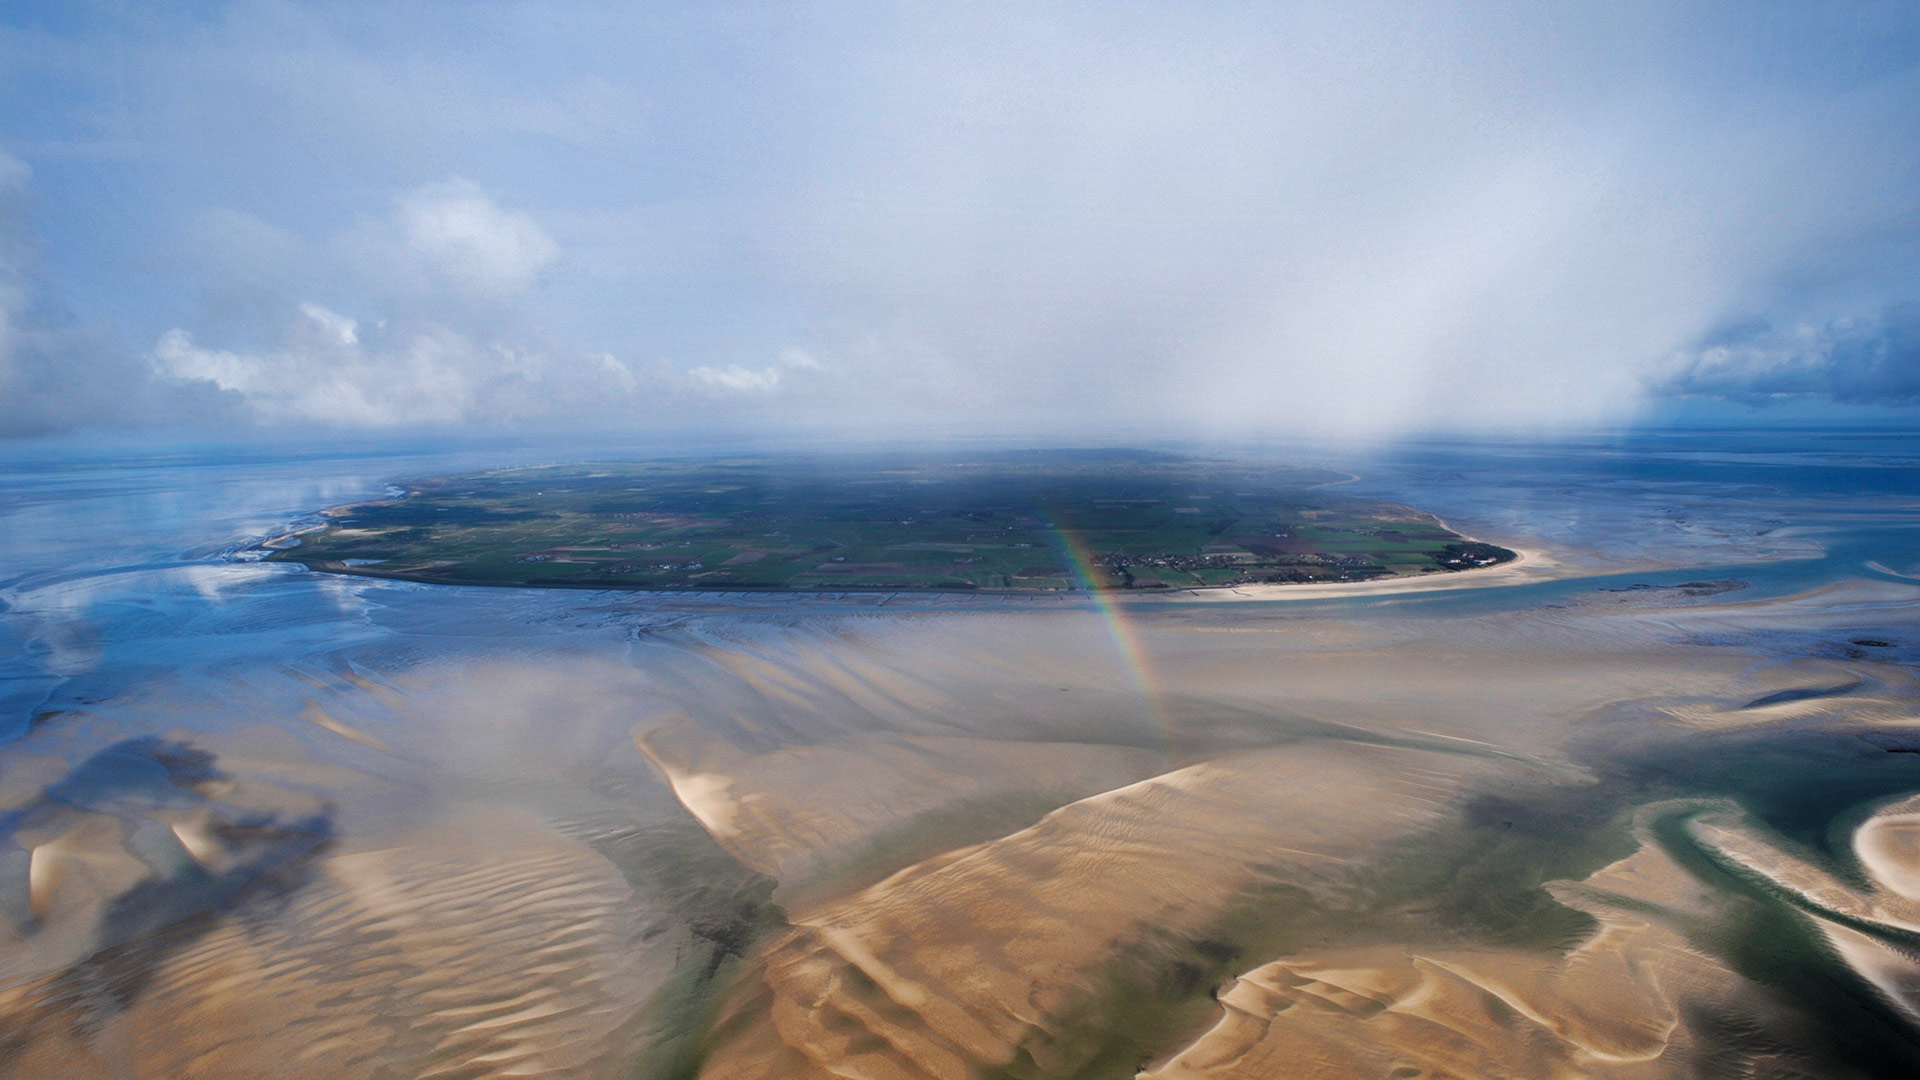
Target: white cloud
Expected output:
[341,328]
[740,379]
[325,371]
[795,357]
[623,375]
[447,265]
[423,378]
[460,235]
[735,377]
[177,356]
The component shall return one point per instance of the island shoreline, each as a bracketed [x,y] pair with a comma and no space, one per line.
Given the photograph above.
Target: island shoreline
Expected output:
[283,547]
[1494,576]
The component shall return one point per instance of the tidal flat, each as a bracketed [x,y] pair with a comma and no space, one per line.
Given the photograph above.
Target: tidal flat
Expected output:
[1645,809]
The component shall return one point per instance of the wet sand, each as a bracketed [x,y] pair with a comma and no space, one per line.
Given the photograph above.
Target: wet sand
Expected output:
[984,955]
[937,844]
[1616,1005]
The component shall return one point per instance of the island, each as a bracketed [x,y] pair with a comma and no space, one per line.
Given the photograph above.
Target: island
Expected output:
[1029,522]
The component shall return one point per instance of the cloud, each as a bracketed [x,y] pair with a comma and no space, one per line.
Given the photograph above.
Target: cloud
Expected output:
[342,329]
[622,375]
[735,377]
[324,370]
[454,232]
[56,373]
[308,363]
[1054,219]
[1361,220]
[755,380]
[322,374]
[795,357]
[1858,361]
[449,269]
[444,250]
[446,247]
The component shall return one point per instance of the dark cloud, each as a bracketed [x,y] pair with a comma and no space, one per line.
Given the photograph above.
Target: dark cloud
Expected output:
[1872,361]
[44,368]
[58,373]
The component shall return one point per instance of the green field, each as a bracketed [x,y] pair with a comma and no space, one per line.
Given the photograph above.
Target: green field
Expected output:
[1026,522]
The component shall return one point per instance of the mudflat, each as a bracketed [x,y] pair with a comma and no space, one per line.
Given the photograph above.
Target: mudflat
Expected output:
[1576,821]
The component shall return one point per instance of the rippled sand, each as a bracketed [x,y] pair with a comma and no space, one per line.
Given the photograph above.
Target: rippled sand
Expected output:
[933,845]
[517,957]
[977,957]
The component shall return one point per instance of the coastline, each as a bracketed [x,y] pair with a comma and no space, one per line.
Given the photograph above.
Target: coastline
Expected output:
[1528,565]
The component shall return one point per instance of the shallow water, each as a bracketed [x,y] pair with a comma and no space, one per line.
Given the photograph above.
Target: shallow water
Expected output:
[205,754]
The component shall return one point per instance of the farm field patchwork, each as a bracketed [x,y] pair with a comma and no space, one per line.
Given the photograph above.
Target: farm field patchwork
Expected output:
[1030,522]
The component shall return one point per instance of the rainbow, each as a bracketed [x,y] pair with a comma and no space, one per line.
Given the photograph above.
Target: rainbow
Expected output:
[1092,579]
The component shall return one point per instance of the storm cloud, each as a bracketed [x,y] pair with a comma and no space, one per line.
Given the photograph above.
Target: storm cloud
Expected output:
[1869,361]
[58,372]
[1024,219]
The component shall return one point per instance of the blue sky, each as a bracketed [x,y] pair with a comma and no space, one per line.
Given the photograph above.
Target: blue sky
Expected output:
[1029,220]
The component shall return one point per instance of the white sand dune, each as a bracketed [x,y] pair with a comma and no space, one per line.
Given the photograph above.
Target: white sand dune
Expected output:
[1738,841]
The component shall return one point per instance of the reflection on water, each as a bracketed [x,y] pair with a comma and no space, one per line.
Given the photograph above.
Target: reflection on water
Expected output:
[333,826]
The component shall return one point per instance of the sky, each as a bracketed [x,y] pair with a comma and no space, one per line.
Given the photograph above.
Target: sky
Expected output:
[1025,220]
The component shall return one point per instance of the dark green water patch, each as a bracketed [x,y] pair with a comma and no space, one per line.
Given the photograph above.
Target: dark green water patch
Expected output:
[1480,880]
[1832,1022]
[1156,990]
[719,914]
[1483,881]
[1802,693]
[1809,786]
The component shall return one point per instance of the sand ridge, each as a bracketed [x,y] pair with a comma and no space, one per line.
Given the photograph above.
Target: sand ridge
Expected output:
[976,957]
[1868,929]
[848,758]
[1611,1007]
